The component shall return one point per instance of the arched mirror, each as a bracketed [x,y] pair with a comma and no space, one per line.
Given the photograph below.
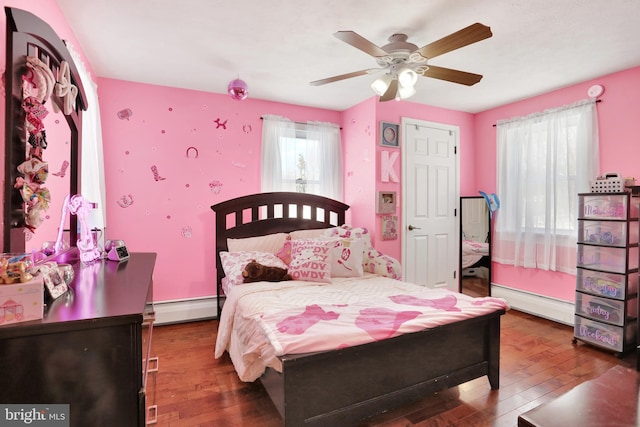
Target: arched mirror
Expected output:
[475,247]
[33,45]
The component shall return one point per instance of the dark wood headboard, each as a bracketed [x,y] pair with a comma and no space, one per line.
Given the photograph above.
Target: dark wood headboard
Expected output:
[266,213]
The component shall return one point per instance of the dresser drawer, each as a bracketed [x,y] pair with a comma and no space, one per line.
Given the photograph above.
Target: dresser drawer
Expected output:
[609,259]
[607,206]
[611,285]
[607,310]
[615,338]
[612,233]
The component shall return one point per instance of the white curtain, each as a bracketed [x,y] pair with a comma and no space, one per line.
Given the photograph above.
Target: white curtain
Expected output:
[544,160]
[92,181]
[301,157]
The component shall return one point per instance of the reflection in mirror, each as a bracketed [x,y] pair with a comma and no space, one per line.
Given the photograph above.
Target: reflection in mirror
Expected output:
[475,252]
[57,155]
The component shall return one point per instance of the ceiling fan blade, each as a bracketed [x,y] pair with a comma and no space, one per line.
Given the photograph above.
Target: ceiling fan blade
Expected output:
[471,34]
[391,92]
[451,75]
[360,42]
[344,76]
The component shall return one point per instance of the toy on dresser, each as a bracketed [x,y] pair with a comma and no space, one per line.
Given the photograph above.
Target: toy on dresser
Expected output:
[14,268]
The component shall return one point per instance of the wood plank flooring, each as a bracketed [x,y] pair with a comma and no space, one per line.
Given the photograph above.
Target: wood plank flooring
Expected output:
[538,363]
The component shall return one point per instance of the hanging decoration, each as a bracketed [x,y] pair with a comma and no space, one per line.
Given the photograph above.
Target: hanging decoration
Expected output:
[238,89]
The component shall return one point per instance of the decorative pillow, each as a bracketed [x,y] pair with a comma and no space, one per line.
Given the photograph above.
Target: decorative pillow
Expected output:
[234,262]
[268,243]
[347,256]
[285,251]
[307,234]
[373,261]
[310,260]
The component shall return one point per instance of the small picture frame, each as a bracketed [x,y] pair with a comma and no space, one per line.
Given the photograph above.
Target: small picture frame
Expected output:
[389,227]
[386,202]
[389,134]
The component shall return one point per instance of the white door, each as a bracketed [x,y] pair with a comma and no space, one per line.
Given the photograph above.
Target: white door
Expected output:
[430,203]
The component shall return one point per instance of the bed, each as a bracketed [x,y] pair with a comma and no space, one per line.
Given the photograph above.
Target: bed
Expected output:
[344,385]
[474,254]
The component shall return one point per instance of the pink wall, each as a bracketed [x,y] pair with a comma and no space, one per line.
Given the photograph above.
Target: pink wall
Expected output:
[619,127]
[150,128]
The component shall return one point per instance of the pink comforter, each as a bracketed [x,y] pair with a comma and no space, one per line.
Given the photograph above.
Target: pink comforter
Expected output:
[261,321]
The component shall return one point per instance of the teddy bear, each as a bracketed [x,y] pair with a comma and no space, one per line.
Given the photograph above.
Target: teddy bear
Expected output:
[256,272]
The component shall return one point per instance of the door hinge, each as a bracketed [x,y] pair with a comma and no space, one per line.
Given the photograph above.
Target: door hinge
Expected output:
[455,212]
[455,149]
[454,274]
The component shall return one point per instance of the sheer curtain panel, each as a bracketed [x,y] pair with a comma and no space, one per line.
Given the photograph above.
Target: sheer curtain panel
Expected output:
[544,160]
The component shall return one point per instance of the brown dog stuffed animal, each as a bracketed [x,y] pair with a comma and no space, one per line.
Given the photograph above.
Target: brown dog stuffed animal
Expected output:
[256,272]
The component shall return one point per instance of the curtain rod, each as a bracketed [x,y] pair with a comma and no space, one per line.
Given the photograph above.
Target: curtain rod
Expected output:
[597,100]
[298,123]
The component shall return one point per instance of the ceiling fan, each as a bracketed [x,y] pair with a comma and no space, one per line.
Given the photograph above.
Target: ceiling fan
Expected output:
[403,62]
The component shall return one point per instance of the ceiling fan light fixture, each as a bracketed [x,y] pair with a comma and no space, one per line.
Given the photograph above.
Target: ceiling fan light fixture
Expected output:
[407,77]
[405,92]
[381,84]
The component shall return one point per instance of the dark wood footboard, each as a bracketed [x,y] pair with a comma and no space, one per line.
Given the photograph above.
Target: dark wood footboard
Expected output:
[340,387]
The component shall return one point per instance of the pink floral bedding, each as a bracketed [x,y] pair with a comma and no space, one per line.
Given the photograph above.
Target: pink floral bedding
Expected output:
[261,321]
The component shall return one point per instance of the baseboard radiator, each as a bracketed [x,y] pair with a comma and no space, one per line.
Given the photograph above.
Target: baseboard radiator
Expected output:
[189,310]
[538,305]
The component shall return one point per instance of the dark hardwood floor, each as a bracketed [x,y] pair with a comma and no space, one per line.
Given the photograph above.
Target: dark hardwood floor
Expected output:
[538,363]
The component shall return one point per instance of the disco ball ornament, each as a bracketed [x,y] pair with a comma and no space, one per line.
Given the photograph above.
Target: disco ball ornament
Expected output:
[238,90]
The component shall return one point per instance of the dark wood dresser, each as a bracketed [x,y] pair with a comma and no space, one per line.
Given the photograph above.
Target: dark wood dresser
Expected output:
[87,350]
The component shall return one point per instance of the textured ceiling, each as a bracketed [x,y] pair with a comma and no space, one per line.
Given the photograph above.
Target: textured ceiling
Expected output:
[277,48]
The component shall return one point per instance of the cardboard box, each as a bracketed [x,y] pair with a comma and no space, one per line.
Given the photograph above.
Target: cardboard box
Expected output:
[22,302]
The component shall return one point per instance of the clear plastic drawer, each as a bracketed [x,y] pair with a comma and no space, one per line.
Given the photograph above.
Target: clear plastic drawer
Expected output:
[612,233]
[606,206]
[609,259]
[611,285]
[616,338]
[607,310]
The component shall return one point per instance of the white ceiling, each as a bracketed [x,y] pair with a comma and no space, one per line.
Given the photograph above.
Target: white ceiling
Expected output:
[278,47]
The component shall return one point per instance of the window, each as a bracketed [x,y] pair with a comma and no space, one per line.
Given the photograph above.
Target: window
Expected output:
[543,162]
[301,157]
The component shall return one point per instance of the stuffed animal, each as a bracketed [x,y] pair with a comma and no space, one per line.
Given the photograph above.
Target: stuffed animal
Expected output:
[256,272]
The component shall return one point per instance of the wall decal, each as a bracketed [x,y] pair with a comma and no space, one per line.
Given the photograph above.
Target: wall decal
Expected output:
[125,114]
[195,152]
[125,201]
[219,124]
[246,128]
[186,232]
[215,186]
[239,165]
[156,175]
[387,169]
[63,169]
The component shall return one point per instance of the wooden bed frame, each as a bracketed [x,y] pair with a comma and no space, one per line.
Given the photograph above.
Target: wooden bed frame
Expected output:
[341,387]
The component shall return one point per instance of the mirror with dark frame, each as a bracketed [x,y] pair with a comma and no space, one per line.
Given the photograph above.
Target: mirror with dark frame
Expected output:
[30,37]
[475,247]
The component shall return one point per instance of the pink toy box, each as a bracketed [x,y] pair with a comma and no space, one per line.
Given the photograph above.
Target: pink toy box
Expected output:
[22,302]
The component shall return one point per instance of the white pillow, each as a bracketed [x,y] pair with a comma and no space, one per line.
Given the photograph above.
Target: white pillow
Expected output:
[269,243]
[307,234]
[234,262]
[310,260]
[347,256]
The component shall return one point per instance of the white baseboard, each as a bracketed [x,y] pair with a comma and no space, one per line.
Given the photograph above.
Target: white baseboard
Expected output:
[538,305]
[178,311]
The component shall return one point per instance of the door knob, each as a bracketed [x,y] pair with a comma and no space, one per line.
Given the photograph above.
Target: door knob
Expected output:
[411,228]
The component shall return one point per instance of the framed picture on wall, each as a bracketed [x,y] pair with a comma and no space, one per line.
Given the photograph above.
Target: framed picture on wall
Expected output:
[389,134]
[389,227]
[386,202]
